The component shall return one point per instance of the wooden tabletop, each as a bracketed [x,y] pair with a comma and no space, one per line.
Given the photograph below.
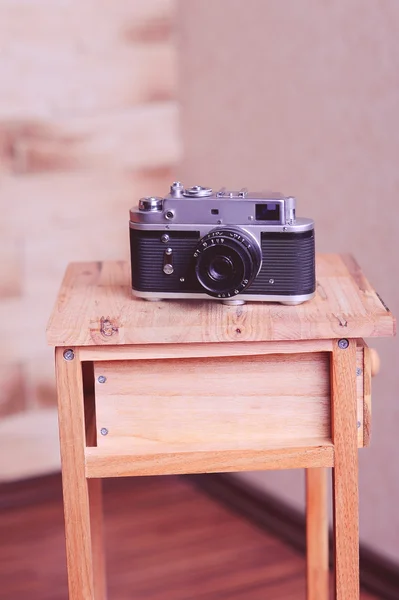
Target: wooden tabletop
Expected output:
[95,307]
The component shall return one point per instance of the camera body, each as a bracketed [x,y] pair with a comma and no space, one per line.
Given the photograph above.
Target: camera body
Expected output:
[228,246]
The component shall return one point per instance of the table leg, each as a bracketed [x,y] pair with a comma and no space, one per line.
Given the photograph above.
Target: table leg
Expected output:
[345,472]
[316,534]
[82,497]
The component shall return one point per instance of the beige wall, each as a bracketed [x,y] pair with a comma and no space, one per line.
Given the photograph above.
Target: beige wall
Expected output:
[303,97]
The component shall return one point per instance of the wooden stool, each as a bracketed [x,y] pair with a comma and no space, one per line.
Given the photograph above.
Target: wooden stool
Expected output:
[198,387]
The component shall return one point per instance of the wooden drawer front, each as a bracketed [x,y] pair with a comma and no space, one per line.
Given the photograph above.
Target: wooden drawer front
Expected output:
[248,401]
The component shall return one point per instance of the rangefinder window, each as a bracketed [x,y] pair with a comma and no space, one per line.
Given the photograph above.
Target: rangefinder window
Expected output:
[267,212]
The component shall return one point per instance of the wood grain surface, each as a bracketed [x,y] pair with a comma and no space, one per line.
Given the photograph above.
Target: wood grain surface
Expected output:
[368,373]
[82,498]
[213,401]
[345,472]
[260,391]
[316,535]
[200,350]
[198,459]
[95,307]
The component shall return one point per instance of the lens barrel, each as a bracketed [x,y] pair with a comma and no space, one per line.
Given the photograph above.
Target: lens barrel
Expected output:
[227,261]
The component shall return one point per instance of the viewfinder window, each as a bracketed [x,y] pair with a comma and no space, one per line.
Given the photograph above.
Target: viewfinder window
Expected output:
[267,212]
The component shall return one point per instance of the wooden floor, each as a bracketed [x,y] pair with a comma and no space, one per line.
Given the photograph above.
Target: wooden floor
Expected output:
[166,541]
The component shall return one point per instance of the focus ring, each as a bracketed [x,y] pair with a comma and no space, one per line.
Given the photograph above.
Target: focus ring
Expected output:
[235,247]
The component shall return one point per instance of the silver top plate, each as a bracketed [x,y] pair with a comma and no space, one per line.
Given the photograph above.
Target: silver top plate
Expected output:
[201,205]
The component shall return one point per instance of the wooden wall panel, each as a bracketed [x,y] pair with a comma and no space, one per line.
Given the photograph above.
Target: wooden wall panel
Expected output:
[139,137]
[11,266]
[63,57]
[13,390]
[47,202]
[88,124]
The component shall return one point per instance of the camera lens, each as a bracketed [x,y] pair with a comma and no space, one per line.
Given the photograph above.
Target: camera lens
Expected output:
[228,260]
[220,268]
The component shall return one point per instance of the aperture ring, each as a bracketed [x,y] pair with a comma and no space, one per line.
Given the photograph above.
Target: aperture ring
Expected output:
[246,251]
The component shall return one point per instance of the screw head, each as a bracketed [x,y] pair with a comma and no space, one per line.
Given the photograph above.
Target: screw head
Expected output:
[358,371]
[359,424]
[69,354]
[102,379]
[104,431]
[343,344]
[271,280]
[165,238]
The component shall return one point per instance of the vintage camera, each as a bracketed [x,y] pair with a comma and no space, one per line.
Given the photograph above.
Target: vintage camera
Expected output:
[228,246]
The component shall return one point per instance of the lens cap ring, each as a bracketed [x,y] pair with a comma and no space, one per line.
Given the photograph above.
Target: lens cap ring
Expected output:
[233,249]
